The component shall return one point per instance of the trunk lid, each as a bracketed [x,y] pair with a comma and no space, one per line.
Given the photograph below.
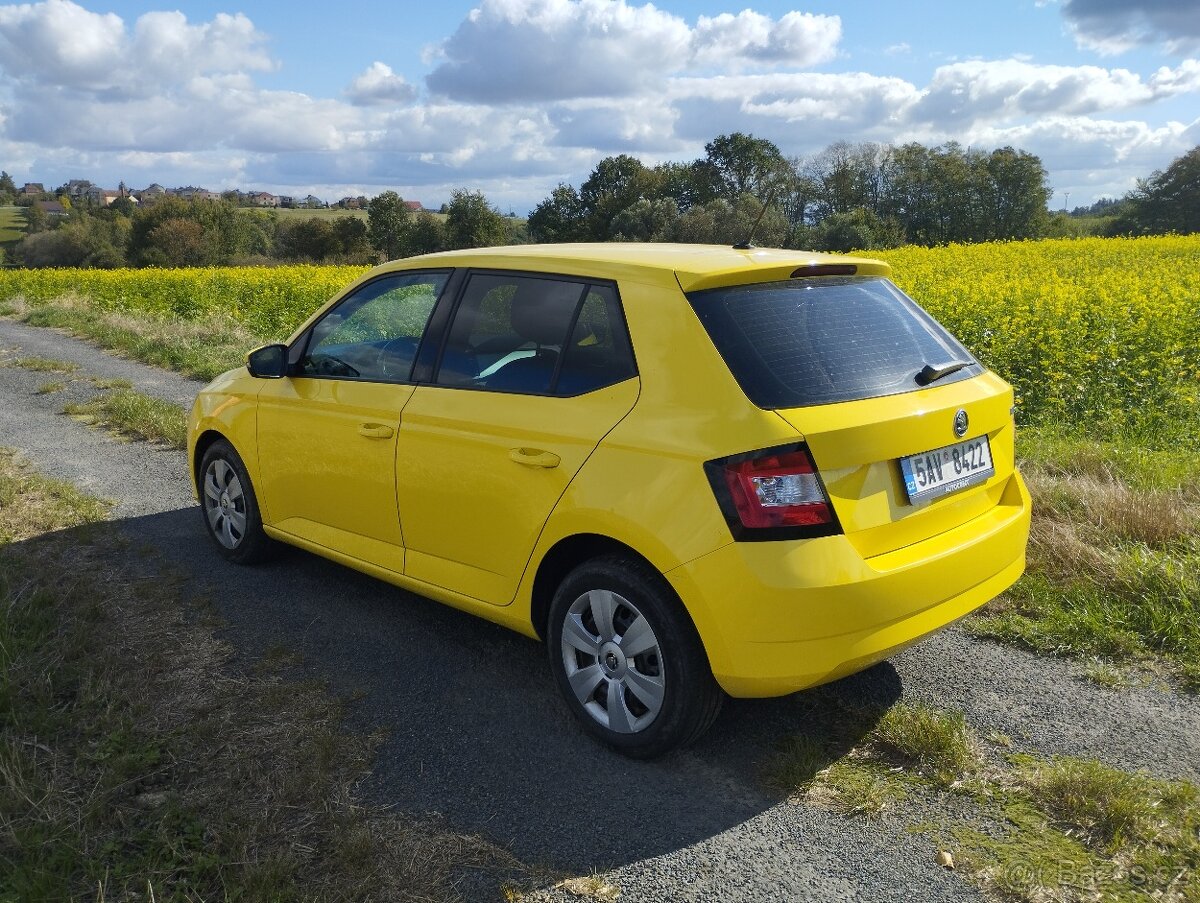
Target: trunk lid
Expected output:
[857,446]
[869,379]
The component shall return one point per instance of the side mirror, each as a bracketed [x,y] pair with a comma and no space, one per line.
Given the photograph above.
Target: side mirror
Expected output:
[268,362]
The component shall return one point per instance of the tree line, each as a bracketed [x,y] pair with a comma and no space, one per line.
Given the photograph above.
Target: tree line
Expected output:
[850,197]
[174,232]
[847,197]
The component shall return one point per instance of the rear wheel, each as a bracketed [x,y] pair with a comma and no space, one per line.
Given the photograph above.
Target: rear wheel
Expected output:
[628,659]
[230,506]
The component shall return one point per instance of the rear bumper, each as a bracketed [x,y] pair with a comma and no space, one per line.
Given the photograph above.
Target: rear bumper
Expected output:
[777,617]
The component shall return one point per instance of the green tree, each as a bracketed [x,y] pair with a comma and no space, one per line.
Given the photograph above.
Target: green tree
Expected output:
[312,239]
[425,235]
[35,219]
[741,164]
[387,222]
[616,183]
[7,183]
[124,206]
[645,220]
[351,234]
[560,217]
[1167,201]
[177,242]
[846,177]
[84,241]
[1017,195]
[856,230]
[471,222]
[721,222]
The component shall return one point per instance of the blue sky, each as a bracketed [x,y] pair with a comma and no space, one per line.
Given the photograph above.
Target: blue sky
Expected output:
[514,96]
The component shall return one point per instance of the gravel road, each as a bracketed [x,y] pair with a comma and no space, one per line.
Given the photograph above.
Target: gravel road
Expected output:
[477,734]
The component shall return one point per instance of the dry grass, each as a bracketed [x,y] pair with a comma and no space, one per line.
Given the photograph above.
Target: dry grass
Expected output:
[137,762]
[198,348]
[1114,559]
[1108,507]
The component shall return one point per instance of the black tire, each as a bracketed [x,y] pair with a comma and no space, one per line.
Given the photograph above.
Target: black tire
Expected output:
[229,506]
[644,704]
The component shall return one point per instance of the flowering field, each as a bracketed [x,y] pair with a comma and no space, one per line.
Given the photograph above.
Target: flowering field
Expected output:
[267,301]
[1103,334]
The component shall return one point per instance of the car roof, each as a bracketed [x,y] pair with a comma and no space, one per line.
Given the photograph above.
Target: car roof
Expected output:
[696,267]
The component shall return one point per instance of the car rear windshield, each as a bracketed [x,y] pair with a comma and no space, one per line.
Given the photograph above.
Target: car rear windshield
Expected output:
[811,341]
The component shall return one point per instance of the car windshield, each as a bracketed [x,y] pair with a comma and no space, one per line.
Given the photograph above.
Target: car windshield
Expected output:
[811,341]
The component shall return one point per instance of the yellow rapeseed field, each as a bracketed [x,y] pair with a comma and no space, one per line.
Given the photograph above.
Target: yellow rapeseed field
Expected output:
[269,301]
[1103,333]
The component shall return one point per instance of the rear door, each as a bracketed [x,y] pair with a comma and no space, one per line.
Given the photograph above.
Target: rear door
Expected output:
[535,370]
[911,435]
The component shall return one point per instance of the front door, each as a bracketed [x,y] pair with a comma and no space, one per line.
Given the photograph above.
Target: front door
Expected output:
[327,435]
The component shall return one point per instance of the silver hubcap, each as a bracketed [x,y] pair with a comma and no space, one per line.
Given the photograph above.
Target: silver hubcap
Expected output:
[224,503]
[613,661]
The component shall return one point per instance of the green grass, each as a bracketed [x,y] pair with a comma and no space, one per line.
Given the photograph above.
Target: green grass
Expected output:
[101,383]
[41,365]
[50,388]
[935,744]
[1024,827]
[136,764]
[138,416]
[319,213]
[12,226]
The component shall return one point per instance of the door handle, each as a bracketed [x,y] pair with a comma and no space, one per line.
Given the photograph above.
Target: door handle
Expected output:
[534,457]
[376,430]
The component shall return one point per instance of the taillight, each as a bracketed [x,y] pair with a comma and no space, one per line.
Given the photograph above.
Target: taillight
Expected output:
[772,494]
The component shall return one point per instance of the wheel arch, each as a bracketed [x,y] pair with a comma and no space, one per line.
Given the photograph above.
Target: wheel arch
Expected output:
[567,554]
[203,443]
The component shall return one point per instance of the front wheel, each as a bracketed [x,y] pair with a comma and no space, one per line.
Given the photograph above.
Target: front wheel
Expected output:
[230,506]
[628,660]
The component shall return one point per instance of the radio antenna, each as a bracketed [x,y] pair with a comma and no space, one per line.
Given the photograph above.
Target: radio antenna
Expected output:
[749,242]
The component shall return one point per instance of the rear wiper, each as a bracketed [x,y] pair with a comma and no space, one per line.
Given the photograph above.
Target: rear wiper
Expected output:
[933,372]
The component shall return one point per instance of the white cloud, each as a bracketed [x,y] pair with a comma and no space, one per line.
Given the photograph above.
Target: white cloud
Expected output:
[59,43]
[380,85]
[527,93]
[1116,26]
[796,39]
[509,51]
[984,90]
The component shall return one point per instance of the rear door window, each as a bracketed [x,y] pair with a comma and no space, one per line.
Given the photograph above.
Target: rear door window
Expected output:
[535,335]
[811,341]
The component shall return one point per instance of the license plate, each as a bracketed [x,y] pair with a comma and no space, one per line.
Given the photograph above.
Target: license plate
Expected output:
[946,470]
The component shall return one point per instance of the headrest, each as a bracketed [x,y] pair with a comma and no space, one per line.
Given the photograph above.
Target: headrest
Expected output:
[542,310]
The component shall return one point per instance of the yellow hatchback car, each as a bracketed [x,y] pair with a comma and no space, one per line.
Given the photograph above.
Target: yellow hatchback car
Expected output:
[691,470]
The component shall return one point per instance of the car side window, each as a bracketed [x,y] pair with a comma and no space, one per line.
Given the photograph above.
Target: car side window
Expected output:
[535,335]
[598,354]
[373,334]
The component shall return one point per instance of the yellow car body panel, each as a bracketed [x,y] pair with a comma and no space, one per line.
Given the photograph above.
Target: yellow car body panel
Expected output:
[327,454]
[509,459]
[774,616]
[795,618]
